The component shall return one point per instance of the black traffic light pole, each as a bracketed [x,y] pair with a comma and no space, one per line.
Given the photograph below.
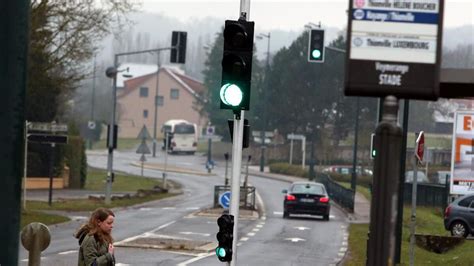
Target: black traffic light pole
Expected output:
[388,142]
[13,72]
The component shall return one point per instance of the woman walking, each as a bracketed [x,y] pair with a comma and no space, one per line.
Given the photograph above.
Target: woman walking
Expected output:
[96,240]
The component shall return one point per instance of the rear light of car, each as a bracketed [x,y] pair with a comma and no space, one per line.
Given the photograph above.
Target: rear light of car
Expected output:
[324,199]
[447,211]
[290,197]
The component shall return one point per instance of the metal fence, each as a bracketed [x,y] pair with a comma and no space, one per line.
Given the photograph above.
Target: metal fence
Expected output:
[341,195]
[432,195]
[247,196]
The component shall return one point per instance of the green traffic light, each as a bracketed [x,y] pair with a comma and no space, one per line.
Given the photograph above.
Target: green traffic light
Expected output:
[220,252]
[231,94]
[374,152]
[316,53]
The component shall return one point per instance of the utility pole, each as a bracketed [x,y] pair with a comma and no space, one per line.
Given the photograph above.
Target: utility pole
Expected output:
[13,73]
[264,93]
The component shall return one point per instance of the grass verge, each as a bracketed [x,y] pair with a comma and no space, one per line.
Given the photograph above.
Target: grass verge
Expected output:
[429,221]
[122,144]
[35,216]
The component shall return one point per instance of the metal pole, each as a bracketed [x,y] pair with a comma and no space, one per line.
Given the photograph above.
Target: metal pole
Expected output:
[92,102]
[25,161]
[354,155]
[413,212]
[110,157]
[209,146]
[155,119]
[291,151]
[401,184]
[303,150]
[262,134]
[235,181]
[51,173]
[387,140]
[311,160]
[13,73]
[226,179]
[167,134]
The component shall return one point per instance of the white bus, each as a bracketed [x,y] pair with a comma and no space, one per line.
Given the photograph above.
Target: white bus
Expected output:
[183,137]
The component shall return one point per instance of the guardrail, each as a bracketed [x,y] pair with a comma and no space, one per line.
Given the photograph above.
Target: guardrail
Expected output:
[341,195]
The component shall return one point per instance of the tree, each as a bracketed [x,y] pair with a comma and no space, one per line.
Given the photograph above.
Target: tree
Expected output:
[63,36]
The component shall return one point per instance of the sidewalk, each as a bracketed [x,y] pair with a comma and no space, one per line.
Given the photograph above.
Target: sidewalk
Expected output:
[361,205]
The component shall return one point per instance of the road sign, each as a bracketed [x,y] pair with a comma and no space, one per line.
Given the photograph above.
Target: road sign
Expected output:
[224,199]
[295,136]
[47,138]
[210,130]
[143,148]
[47,127]
[144,134]
[462,154]
[420,146]
[91,125]
[386,53]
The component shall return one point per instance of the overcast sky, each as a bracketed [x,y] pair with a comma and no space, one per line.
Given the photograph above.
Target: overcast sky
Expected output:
[288,14]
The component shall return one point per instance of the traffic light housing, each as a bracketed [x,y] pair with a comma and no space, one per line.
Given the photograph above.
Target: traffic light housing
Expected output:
[237,65]
[316,46]
[225,237]
[178,41]
[373,151]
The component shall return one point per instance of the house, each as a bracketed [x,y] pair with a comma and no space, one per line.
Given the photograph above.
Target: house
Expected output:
[179,97]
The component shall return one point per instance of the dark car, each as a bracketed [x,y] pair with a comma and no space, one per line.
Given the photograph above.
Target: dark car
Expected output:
[306,198]
[459,216]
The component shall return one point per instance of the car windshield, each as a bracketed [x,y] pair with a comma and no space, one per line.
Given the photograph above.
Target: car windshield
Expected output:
[307,188]
[184,129]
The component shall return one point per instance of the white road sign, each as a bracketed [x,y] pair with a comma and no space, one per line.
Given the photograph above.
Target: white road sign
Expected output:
[462,161]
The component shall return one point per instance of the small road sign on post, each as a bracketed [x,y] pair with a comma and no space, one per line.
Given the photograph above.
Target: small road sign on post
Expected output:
[420,146]
[224,199]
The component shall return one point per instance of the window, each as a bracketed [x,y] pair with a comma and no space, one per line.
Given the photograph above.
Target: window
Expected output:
[466,202]
[307,188]
[159,101]
[144,92]
[174,94]
[184,129]
[145,113]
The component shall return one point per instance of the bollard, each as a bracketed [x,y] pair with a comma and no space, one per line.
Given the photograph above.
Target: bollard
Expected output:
[35,237]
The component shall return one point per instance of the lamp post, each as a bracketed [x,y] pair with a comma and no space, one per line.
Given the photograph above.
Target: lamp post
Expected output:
[111,72]
[354,158]
[155,121]
[264,121]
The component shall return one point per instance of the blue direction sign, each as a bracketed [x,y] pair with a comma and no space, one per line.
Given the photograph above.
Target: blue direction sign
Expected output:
[224,200]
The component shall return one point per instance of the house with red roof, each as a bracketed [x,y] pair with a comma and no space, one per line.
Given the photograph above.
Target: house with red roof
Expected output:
[176,96]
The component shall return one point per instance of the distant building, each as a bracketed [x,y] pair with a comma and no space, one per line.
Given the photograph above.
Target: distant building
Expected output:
[179,97]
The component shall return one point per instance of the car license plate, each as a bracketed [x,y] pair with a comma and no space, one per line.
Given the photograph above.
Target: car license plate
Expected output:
[307,200]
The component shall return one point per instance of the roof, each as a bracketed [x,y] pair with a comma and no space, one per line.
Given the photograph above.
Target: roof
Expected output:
[195,87]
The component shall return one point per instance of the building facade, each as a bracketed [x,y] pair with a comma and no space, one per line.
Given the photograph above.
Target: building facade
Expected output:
[177,97]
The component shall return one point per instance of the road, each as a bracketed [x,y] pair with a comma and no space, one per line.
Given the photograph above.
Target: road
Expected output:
[267,240]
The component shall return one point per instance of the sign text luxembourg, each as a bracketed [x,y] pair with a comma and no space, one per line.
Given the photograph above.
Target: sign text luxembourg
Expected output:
[394,48]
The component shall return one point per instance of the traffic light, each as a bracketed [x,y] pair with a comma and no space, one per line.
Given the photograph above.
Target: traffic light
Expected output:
[237,65]
[373,151]
[225,236]
[178,40]
[316,46]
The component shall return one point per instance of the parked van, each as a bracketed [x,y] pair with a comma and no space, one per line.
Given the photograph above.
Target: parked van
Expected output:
[182,136]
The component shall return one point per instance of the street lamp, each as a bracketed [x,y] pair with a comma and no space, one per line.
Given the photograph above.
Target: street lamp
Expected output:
[262,132]
[155,121]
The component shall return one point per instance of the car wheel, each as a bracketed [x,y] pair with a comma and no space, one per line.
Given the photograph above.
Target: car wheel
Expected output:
[458,228]
[286,214]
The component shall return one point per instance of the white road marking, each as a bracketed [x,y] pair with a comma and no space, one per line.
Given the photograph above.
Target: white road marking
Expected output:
[244,239]
[259,225]
[121,264]
[78,218]
[67,252]
[295,239]
[192,233]
[200,257]
[144,234]
[343,249]
[145,209]
[302,228]
[344,243]
[341,254]
[251,234]
[278,213]
[192,208]
[169,208]
[256,229]
[343,226]
[239,244]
